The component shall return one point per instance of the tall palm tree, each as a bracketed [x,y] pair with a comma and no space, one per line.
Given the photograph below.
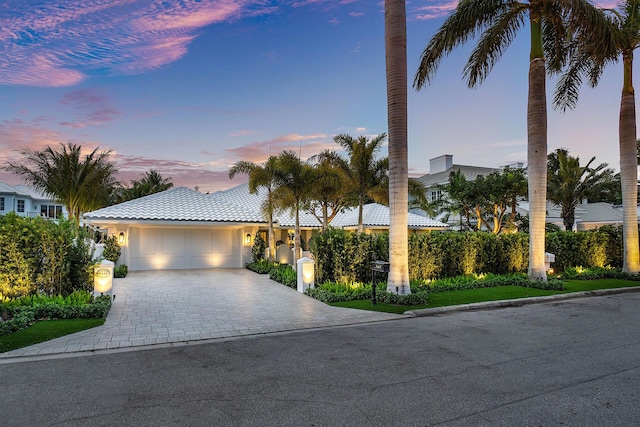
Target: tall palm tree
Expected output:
[81,183]
[590,53]
[365,172]
[293,179]
[569,183]
[496,23]
[261,175]
[395,40]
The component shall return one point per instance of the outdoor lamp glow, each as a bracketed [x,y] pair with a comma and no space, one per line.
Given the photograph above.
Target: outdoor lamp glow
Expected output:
[247,239]
[121,238]
[305,274]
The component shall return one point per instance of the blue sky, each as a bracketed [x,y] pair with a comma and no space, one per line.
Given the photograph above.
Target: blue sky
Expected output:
[190,87]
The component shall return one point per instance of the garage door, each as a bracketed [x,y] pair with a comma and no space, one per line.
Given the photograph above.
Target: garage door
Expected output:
[183,248]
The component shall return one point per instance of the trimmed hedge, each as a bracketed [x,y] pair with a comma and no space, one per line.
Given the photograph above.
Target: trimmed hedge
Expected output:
[345,257]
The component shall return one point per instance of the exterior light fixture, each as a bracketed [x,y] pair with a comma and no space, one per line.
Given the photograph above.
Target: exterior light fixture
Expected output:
[306,276]
[121,238]
[247,239]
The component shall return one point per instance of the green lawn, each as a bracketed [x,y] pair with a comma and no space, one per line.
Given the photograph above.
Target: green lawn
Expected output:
[442,299]
[45,330]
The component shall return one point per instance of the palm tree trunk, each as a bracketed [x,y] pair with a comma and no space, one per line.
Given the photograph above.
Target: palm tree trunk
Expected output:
[629,171]
[396,69]
[297,253]
[360,209]
[272,240]
[537,167]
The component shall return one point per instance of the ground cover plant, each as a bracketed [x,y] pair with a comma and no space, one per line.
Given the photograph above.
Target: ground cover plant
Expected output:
[20,313]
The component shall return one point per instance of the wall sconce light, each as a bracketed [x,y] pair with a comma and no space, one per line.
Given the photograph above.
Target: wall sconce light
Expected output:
[247,239]
[121,238]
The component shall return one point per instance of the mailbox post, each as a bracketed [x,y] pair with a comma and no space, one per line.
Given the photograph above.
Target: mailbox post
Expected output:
[377,267]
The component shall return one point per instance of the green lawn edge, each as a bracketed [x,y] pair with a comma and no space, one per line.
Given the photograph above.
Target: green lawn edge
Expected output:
[45,330]
[500,293]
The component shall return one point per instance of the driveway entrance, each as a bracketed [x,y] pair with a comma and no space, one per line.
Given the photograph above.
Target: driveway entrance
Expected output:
[171,306]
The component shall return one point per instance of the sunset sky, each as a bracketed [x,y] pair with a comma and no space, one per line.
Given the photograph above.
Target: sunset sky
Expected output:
[190,87]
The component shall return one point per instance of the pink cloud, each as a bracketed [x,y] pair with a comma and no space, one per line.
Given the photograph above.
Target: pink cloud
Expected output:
[61,43]
[94,108]
[436,10]
[258,152]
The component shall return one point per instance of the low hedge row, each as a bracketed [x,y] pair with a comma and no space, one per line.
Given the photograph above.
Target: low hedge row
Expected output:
[281,273]
[19,314]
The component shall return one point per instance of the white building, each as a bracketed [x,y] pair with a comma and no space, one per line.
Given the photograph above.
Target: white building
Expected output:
[26,201]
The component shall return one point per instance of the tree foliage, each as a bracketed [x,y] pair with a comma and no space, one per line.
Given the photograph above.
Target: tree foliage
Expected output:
[486,203]
[81,182]
[40,256]
[569,183]
[151,182]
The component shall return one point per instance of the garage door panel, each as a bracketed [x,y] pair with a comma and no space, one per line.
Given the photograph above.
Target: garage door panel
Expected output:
[183,248]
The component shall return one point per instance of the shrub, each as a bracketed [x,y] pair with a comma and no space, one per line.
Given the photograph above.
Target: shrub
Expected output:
[20,313]
[120,271]
[112,249]
[43,256]
[338,292]
[258,249]
[284,274]
[261,267]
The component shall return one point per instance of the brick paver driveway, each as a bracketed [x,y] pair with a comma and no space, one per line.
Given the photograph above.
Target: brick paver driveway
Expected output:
[160,307]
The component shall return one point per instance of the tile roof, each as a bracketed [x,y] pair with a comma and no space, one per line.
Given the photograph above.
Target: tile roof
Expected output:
[377,215]
[237,205]
[240,196]
[24,190]
[177,204]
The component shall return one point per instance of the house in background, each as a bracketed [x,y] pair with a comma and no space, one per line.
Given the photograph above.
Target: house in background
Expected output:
[441,167]
[184,229]
[26,201]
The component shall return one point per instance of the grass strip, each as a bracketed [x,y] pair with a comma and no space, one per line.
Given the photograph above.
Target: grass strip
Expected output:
[468,296]
[45,330]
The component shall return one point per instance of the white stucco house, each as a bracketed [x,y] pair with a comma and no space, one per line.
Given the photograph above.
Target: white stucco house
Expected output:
[26,201]
[184,229]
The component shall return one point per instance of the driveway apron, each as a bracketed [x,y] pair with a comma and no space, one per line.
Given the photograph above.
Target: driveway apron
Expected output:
[161,307]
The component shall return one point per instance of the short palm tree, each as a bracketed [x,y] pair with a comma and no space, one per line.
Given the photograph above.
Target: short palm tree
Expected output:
[590,53]
[261,175]
[364,171]
[293,179]
[329,189]
[81,182]
[496,23]
[569,183]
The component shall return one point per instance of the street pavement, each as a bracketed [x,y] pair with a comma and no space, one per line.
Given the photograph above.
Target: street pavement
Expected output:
[573,362]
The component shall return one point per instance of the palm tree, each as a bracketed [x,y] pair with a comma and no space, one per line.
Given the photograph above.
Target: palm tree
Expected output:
[364,172]
[329,190]
[569,183]
[261,175]
[496,24]
[81,183]
[395,40]
[292,178]
[590,53]
[151,182]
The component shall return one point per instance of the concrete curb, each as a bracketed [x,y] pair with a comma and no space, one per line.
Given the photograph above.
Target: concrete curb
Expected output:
[516,302]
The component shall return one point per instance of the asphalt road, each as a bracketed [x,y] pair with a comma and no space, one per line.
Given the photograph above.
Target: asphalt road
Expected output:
[566,363]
